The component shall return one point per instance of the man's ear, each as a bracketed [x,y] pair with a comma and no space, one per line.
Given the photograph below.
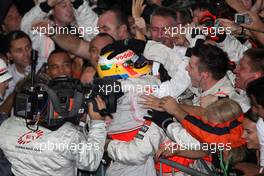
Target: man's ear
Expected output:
[123,30]
[258,75]
[9,56]
[205,75]
[3,28]
[47,70]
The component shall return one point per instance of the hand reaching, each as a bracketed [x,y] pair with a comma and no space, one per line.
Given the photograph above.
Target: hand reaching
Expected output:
[101,106]
[137,8]
[141,25]
[169,104]
[256,23]
[151,102]
[166,151]
[258,6]
[230,25]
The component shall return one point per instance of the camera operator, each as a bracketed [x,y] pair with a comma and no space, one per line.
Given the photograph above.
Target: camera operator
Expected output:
[59,64]
[5,166]
[59,152]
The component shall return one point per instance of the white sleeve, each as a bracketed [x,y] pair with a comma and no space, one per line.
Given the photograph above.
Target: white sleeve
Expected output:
[87,19]
[90,150]
[40,42]
[137,151]
[170,58]
[132,84]
[179,135]
[260,132]
[179,82]
[175,63]
[233,47]
[32,16]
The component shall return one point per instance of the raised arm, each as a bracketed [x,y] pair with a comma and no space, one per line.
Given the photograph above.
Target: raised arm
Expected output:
[72,44]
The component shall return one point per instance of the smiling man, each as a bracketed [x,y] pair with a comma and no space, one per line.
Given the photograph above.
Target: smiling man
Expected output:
[250,67]
[59,64]
[19,52]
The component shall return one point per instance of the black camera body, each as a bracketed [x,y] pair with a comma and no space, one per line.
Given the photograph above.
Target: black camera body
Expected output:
[29,102]
[64,99]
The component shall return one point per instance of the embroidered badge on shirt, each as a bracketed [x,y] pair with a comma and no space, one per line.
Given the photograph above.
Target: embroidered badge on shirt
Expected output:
[144,128]
[139,136]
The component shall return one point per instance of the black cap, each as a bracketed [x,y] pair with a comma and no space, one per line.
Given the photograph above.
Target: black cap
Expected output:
[4,7]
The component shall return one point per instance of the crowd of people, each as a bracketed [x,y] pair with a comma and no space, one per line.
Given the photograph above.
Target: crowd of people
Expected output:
[189,76]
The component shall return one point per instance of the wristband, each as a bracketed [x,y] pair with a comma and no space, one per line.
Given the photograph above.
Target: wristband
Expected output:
[188,52]
[103,112]
[166,123]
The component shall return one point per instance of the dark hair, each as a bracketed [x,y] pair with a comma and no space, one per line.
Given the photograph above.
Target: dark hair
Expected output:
[251,115]
[121,17]
[255,88]
[256,56]
[212,59]
[105,35]
[185,16]
[15,35]
[56,51]
[216,7]
[201,4]
[164,12]
[3,44]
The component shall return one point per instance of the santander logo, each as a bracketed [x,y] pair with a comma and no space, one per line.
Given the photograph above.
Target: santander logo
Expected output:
[29,137]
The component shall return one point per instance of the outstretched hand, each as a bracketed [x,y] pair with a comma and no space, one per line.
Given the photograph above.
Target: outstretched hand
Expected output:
[100,105]
[151,102]
[137,8]
[170,105]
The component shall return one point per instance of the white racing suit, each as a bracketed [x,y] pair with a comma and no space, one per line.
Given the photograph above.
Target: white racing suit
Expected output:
[53,153]
[233,48]
[223,87]
[85,17]
[260,132]
[133,153]
[175,62]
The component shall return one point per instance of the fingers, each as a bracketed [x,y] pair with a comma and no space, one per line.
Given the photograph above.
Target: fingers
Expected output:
[90,107]
[100,102]
[150,98]
[158,154]
[142,9]
[167,99]
[147,104]
[151,102]
[137,8]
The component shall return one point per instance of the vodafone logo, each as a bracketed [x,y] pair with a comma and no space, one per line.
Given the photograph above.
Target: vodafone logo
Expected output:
[29,137]
[125,56]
